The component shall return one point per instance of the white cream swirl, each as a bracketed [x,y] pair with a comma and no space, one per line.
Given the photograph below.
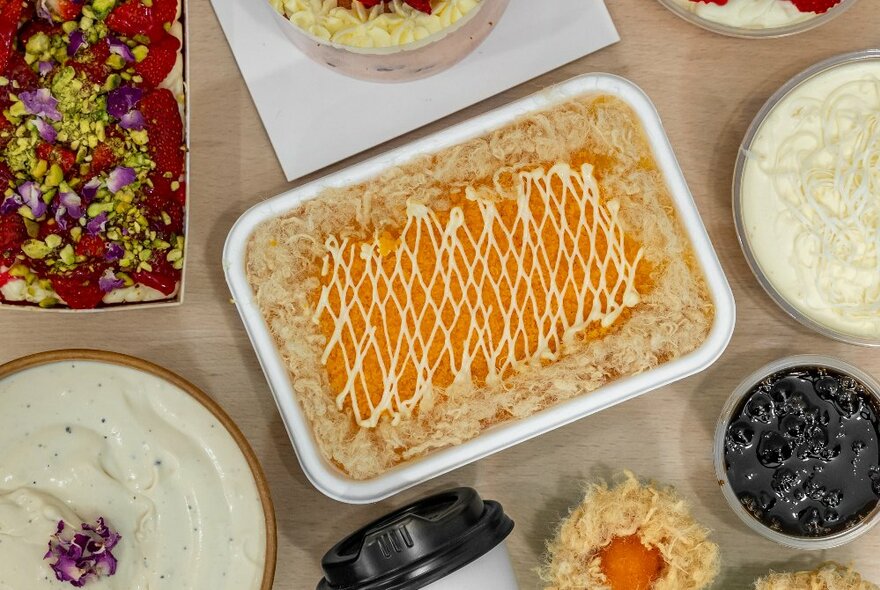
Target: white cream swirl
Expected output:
[749,14]
[385,25]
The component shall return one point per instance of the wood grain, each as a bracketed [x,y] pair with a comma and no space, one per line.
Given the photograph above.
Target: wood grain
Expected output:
[707,89]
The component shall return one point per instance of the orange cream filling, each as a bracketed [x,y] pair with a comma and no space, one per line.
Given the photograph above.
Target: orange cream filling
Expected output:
[470,294]
[628,564]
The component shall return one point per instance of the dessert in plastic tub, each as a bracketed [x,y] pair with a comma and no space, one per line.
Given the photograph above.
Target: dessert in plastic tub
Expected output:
[805,197]
[758,18]
[388,40]
[797,452]
[130,475]
[93,189]
[830,576]
[479,287]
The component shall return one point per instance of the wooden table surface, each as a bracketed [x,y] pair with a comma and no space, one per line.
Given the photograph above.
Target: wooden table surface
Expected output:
[707,89]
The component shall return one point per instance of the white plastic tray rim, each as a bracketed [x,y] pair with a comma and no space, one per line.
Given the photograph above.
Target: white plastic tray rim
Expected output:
[335,484]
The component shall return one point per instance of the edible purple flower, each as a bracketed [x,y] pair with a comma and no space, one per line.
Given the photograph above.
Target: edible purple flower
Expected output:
[10,204]
[132,120]
[109,281]
[122,100]
[85,555]
[32,196]
[120,177]
[47,132]
[96,224]
[76,40]
[43,11]
[72,203]
[60,217]
[90,189]
[45,67]
[40,102]
[114,252]
[120,49]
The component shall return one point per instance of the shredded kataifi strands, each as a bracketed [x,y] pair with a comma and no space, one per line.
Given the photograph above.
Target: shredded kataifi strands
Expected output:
[656,515]
[478,285]
[830,576]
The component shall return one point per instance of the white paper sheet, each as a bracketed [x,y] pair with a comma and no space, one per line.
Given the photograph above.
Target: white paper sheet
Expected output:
[307,108]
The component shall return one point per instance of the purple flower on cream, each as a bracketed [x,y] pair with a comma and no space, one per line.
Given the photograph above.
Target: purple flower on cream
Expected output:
[110,282]
[83,555]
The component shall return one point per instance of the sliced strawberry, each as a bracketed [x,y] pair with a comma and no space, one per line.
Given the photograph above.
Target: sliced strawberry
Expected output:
[18,71]
[134,18]
[422,5]
[7,178]
[92,61]
[91,246]
[79,290]
[159,61]
[817,6]
[49,227]
[103,159]
[165,11]
[55,154]
[12,232]
[66,10]
[165,132]
[163,278]
[10,17]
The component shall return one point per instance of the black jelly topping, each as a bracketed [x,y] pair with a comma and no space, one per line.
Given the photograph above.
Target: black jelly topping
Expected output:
[802,452]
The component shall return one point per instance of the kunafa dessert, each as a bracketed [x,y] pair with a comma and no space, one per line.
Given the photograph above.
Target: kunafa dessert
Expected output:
[758,14]
[810,212]
[828,577]
[632,536]
[479,285]
[92,152]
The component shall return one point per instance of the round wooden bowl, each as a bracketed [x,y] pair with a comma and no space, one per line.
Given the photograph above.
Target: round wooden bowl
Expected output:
[73,354]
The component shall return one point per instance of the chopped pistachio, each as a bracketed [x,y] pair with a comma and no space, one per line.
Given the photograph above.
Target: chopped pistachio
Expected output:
[55,176]
[117,62]
[69,26]
[48,302]
[145,254]
[125,278]
[53,240]
[140,52]
[31,227]
[76,234]
[19,271]
[178,264]
[36,249]
[174,255]
[67,255]
[97,208]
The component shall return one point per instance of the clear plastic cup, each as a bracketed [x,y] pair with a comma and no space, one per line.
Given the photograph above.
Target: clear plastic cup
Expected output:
[734,401]
[401,63]
[757,33]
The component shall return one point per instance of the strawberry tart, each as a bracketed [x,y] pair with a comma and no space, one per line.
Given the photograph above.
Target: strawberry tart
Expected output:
[758,14]
[92,152]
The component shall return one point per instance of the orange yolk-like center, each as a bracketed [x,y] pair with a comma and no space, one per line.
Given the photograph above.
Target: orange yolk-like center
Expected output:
[629,565]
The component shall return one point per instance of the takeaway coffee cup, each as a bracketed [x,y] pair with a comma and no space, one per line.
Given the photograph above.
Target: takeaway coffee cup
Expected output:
[451,541]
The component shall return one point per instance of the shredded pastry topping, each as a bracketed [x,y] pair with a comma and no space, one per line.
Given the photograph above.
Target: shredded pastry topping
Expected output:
[468,296]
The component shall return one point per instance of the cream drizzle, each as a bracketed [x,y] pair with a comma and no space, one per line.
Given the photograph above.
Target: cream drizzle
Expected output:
[453,241]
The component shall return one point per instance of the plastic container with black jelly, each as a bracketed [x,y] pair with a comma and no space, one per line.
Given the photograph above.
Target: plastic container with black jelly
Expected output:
[450,541]
[797,452]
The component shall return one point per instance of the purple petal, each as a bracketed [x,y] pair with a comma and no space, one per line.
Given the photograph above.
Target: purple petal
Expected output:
[45,67]
[76,40]
[114,253]
[120,48]
[47,132]
[96,224]
[119,178]
[90,189]
[86,554]
[10,204]
[40,102]
[60,218]
[108,282]
[122,100]
[71,201]
[33,198]
[132,120]
[43,11]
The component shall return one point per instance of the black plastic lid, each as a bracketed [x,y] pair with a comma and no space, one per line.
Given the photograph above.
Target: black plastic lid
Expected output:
[418,544]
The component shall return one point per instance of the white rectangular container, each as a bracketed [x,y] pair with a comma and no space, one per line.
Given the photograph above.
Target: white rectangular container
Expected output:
[336,484]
